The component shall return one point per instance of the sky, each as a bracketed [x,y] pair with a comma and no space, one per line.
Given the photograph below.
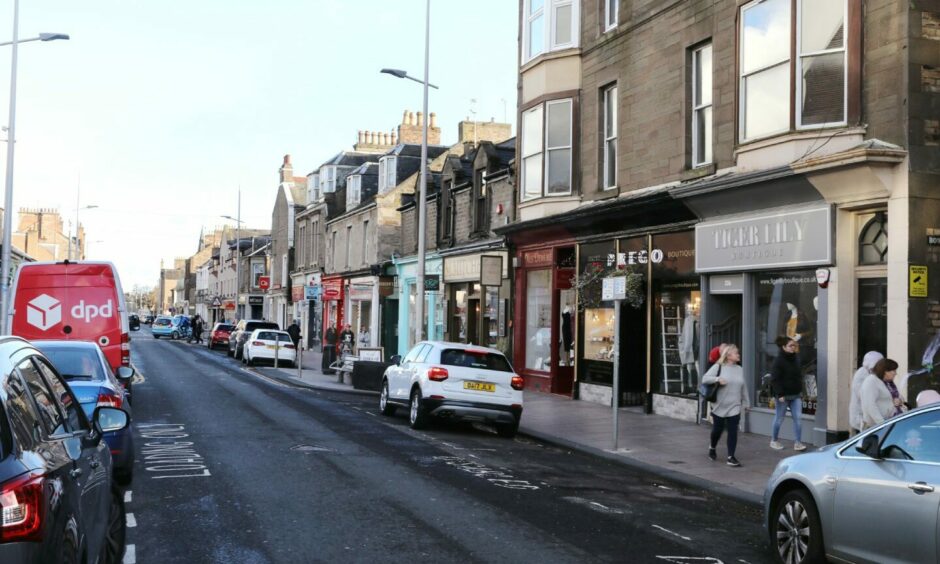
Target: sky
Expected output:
[158,112]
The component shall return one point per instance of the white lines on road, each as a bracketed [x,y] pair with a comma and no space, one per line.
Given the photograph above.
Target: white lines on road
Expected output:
[682,559]
[130,554]
[130,551]
[673,533]
[593,505]
[128,496]
[131,520]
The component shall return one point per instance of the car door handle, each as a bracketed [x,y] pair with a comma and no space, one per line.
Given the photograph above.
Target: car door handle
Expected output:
[94,463]
[75,473]
[921,487]
[831,480]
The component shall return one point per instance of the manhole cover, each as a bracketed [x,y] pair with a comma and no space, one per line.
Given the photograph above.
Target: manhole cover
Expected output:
[310,448]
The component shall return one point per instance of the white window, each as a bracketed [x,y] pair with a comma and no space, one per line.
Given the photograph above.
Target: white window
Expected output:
[313,187]
[610,137]
[283,280]
[302,251]
[382,186]
[391,163]
[315,247]
[546,150]
[365,241]
[611,8]
[532,163]
[767,61]
[348,243]
[550,25]
[702,105]
[353,185]
[328,179]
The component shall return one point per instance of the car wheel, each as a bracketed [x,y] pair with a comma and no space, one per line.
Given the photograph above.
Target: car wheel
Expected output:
[113,550]
[156,336]
[175,335]
[416,415]
[124,477]
[384,405]
[795,529]
[507,430]
[248,360]
[69,554]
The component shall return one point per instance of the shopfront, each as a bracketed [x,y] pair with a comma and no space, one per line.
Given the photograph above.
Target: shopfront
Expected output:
[760,280]
[546,314]
[363,310]
[407,272]
[476,293]
[333,304]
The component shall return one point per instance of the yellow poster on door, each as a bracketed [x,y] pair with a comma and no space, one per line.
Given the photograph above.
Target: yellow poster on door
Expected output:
[917,281]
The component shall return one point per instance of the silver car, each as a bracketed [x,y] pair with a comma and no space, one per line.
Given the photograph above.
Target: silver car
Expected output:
[873,498]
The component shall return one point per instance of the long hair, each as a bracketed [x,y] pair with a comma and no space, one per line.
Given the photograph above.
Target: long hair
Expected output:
[726,349]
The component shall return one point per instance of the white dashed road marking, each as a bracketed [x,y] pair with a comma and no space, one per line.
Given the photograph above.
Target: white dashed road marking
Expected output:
[131,520]
[673,533]
[130,555]
[128,496]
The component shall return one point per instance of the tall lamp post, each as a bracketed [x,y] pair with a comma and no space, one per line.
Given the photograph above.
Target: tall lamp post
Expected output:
[78,248]
[422,188]
[238,250]
[8,197]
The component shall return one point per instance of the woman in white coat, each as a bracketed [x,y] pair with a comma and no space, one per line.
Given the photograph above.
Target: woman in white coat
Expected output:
[880,397]
[855,403]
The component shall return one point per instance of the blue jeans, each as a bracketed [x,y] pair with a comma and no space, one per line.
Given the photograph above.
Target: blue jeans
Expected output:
[796,410]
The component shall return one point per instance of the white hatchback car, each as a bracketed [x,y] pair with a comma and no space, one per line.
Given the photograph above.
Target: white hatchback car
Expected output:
[263,344]
[454,381]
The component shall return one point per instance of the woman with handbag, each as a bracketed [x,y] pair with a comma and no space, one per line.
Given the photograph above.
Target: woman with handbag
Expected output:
[731,400]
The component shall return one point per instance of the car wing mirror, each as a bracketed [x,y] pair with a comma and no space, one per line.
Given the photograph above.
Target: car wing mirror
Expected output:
[869,447]
[107,419]
[396,359]
[125,373]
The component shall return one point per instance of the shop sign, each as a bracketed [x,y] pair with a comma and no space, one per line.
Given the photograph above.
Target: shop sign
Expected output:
[386,286]
[491,270]
[733,284]
[432,283]
[467,268]
[311,292]
[296,293]
[778,240]
[255,300]
[264,282]
[917,278]
[541,257]
[360,292]
[933,240]
[332,289]
[636,257]
[229,304]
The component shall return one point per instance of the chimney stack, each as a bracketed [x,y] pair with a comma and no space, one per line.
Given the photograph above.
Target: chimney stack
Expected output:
[410,130]
[287,170]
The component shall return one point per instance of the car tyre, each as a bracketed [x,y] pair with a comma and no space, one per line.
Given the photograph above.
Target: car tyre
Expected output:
[114,543]
[156,336]
[175,335]
[248,360]
[385,406]
[795,526]
[123,478]
[417,418]
[507,430]
[69,553]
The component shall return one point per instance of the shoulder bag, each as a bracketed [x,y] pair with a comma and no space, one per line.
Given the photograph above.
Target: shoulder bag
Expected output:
[709,392]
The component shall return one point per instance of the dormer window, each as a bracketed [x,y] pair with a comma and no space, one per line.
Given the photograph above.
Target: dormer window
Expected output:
[353,191]
[328,179]
[391,170]
[313,187]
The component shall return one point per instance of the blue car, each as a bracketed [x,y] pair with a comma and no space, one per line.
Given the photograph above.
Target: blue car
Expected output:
[88,373]
[176,327]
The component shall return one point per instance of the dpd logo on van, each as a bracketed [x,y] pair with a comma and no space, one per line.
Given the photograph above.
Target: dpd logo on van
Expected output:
[43,312]
[89,312]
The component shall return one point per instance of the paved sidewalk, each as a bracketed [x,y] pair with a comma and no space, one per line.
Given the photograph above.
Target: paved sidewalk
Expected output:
[673,449]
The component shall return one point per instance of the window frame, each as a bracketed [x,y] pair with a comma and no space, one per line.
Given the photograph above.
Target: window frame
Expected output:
[328,185]
[365,239]
[348,244]
[391,172]
[797,58]
[549,34]
[607,137]
[540,108]
[382,186]
[353,191]
[698,106]
[480,201]
[611,19]
[569,147]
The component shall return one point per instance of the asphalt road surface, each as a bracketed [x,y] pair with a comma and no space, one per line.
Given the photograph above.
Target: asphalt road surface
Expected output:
[235,467]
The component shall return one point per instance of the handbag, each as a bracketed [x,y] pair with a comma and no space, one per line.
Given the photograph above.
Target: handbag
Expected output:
[709,392]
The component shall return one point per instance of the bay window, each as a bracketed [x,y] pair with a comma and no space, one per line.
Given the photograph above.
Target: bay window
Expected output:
[817,58]
[313,187]
[549,25]
[546,149]
[328,179]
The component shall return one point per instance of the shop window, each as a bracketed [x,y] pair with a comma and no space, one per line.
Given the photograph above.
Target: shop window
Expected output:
[873,241]
[538,320]
[787,306]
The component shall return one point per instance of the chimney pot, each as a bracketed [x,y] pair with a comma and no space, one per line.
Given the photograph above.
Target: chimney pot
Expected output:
[404,118]
[433,120]
[420,118]
[287,159]
[361,137]
[411,118]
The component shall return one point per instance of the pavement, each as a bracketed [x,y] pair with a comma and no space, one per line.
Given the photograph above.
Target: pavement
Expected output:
[673,449]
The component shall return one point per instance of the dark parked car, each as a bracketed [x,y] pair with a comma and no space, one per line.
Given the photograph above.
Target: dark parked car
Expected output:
[219,335]
[243,329]
[148,319]
[59,502]
[133,322]
[86,369]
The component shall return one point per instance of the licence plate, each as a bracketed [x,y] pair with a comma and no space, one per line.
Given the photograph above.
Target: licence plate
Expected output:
[479,386]
[272,347]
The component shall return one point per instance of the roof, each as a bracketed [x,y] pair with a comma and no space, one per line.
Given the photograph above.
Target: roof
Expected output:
[350,158]
[414,150]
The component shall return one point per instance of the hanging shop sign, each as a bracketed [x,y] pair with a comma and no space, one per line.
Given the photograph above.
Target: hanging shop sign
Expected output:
[264,282]
[432,283]
[468,268]
[296,293]
[786,239]
[386,286]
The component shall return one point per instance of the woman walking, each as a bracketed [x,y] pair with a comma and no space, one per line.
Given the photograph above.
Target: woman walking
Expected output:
[786,379]
[869,361]
[880,397]
[732,400]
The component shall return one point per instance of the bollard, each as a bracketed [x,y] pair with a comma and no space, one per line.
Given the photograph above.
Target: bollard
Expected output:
[277,348]
[299,360]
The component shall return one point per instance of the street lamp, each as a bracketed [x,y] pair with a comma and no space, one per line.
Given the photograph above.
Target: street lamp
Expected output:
[78,248]
[8,197]
[238,250]
[422,196]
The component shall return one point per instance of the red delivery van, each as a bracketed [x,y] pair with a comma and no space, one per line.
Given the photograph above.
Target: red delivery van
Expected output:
[80,301]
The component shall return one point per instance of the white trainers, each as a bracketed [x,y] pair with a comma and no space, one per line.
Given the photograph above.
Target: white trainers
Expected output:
[776,445]
[799,446]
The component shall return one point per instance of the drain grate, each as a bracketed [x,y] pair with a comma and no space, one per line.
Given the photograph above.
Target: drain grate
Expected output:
[310,448]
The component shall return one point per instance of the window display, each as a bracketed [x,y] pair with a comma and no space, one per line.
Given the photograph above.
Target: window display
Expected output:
[599,334]
[787,306]
[538,320]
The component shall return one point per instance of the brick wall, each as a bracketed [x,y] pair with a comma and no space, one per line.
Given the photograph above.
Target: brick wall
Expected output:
[409,240]
[462,222]
[502,193]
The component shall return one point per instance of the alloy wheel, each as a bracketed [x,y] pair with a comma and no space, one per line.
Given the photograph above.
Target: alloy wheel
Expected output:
[383,399]
[793,532]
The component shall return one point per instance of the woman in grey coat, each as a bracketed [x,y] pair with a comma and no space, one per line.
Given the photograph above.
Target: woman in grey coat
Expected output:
[732,400]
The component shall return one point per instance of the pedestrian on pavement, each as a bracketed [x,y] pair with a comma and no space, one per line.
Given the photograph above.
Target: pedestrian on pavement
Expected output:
[197,329]
[732,400]
[294,331]
[347,340]
[881,399]
[786,380]
[365,339]
[869,361]
[329,349]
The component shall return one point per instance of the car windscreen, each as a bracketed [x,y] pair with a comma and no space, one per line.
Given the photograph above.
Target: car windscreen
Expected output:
[475,359]
[260,325]
[162,321]
[74,363]
[272,336]
[224,327]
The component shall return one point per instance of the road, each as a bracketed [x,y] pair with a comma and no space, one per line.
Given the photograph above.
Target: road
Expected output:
[235,467]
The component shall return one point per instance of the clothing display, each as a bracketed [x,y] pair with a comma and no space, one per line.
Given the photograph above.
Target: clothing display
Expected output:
[567,335]
[688,339]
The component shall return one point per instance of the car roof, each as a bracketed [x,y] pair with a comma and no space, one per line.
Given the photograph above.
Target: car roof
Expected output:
[462,346]
[70,344]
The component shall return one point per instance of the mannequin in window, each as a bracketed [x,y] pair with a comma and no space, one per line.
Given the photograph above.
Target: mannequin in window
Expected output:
[688,348]
[567,339]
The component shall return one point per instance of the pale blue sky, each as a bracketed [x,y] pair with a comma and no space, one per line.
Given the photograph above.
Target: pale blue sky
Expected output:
[164,108]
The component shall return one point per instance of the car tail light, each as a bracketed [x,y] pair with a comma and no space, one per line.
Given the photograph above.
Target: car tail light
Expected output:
[125,349]
[21,501]
[106,398]
[287,346]
[517,383]
[257,343]
[438,374]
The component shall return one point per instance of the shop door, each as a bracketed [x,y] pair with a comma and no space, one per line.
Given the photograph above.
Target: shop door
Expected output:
[473,321]
[389,327]
[872,317]
[724,324]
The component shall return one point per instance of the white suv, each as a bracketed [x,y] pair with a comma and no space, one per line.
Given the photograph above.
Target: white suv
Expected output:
[455,381]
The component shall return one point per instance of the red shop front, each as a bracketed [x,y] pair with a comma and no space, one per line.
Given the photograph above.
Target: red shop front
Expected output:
[546,316]
[333,304]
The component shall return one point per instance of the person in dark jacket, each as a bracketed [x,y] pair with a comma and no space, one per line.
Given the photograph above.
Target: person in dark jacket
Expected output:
[786,380]
[294,331]
[329,349]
